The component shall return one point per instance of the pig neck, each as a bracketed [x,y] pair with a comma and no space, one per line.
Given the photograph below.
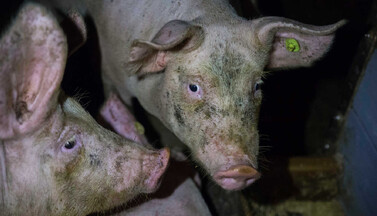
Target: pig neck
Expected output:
[27,195]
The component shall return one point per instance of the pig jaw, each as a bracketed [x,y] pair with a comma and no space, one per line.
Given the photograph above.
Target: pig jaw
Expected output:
[141,175]
[155,172]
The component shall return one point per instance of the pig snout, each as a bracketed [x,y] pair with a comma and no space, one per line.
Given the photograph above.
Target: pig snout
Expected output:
[236,177]
[156,166]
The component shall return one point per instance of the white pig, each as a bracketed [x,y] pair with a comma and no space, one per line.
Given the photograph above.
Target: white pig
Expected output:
[54,158]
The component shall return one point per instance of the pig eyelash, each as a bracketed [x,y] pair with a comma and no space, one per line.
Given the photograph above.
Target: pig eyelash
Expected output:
[195,90]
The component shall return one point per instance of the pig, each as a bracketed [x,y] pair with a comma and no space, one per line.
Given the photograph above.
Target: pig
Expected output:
[197,67]
[54,158]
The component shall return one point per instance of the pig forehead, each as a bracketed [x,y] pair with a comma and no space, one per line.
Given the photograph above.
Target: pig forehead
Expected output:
[235,38]
[227,50]
[222,63]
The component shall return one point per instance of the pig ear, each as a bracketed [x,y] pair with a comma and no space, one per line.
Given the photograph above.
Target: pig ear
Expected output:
[74,27]
[33,55]
[121,120]
[176,34]
[292,44]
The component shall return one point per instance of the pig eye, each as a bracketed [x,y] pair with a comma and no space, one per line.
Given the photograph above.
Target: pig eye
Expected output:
[195,91]
[193,88]
[70,145]
[258,86]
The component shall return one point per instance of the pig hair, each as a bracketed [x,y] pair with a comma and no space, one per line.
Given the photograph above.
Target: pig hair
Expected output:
[81,95]
[227,66]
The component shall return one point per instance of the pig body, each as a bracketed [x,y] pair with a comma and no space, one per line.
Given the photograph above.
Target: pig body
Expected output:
[198,68]
[185,200]
[54,158]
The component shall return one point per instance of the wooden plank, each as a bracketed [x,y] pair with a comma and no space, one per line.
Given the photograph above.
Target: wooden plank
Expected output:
[314,178]
[301,186]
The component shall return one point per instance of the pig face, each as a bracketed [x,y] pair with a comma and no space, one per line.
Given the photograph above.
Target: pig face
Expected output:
[214,110]
[209,77]
[54,158]
[71,165]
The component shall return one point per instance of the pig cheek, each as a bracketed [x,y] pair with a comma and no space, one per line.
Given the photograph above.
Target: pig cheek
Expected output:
[127,174]
[179,115]
[68,162]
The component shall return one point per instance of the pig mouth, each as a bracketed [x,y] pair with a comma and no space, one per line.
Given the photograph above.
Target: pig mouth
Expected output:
[237,177]
[155,175]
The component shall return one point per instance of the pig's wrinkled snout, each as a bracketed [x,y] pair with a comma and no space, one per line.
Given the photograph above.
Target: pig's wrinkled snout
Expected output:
[158,165]
[236,177]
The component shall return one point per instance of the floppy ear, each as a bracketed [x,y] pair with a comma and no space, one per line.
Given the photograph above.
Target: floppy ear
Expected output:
[74,27]
[32,58]
[292,44]
[176,34]
[116,115]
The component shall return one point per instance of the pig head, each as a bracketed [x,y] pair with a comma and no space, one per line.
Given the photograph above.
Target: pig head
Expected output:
[54,158]
[205,83]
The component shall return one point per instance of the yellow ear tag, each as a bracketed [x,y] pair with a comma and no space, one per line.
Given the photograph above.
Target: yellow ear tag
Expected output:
[292,45]
[139,128]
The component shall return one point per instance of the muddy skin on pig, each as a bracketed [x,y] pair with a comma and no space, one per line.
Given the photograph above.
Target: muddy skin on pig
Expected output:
[223,142]
[177,195]
[54,158]
[197,67]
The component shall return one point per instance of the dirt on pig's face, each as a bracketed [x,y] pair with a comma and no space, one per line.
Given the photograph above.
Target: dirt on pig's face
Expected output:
[75,167]
[213,107]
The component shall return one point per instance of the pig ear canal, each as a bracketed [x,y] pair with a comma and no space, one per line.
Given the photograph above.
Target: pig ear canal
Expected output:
[33,54]
[293,44]
[176,35]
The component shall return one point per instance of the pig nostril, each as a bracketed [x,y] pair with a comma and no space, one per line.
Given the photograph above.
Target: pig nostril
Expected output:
[164,157]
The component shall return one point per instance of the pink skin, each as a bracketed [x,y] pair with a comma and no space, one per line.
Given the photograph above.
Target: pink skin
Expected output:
[236,177]
[54,158]
[121,120]
[156,169]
